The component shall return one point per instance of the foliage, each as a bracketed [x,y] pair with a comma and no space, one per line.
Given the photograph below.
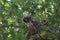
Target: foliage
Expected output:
[12,12]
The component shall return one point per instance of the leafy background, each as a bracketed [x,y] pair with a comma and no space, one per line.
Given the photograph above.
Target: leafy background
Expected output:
[12,12]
